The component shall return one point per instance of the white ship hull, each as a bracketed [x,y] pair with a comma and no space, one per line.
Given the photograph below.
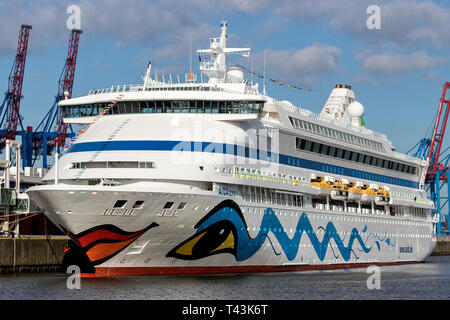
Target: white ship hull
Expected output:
[237,236]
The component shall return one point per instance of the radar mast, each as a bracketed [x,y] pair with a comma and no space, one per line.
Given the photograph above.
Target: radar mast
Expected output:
[215,67]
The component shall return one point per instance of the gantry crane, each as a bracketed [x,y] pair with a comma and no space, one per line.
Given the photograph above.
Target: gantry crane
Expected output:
[436,176]
[10,108]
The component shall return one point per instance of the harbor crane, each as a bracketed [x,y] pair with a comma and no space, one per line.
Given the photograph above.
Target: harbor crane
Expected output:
[44,139]
[10,108]
[436,176]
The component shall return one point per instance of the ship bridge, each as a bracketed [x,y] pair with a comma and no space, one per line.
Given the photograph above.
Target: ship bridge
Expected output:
[217,90]
[166,96]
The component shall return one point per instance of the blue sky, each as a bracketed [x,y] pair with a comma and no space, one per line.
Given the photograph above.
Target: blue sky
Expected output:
[397,72]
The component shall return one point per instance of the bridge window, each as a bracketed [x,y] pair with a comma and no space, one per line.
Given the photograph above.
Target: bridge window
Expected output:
[163,106]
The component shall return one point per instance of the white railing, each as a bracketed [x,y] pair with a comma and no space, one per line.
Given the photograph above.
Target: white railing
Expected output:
[156,81]
[118,88]
[168,82]
[319,117]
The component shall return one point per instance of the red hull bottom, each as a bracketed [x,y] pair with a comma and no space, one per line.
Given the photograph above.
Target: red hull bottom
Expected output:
[143,271]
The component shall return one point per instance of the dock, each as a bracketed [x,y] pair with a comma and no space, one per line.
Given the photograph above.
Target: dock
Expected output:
[442,246]
[32,254]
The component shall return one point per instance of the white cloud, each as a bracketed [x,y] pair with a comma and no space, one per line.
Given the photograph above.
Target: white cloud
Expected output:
[163,29]
[247,6]
[161,25]
[396,63]
[405,23]
[305,65]
[43,15]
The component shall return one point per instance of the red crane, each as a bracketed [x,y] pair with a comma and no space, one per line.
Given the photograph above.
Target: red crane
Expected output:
[66,83]
[15,90]
[438,133]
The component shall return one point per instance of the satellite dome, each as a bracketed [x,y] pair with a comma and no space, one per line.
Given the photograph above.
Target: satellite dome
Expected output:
[355,110]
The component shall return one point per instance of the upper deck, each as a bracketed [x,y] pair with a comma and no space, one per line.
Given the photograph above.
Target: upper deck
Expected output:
[219,93]
[167,98]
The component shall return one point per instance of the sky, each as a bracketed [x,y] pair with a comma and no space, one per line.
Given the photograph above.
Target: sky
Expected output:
[397,71]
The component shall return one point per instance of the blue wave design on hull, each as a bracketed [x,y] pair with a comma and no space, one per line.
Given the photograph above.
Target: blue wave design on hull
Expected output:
[247,246]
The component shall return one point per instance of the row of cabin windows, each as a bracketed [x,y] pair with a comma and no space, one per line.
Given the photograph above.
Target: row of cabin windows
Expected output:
[350,206]
[335,134]
[264,195]
[413,211]
[354,156]
[164,106]
[255,194]
[336,205]
[112,164]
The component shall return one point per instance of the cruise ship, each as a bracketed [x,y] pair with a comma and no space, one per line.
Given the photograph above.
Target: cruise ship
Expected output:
[206,174]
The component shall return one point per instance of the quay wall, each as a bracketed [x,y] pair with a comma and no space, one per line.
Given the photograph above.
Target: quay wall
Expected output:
[32,254]
[442,246]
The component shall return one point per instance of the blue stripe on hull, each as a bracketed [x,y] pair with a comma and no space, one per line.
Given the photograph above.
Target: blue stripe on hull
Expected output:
[223,148]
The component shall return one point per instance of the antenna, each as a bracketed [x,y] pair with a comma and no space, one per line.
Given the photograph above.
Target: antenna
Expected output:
[264,77]
[190,53]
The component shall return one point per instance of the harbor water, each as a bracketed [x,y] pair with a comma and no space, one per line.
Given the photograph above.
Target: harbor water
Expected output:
[429,280]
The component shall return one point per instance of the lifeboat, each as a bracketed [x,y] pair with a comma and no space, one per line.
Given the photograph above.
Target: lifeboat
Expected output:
[368,192]
[324,184]
[354,191]
[316,181]
[382,196]
[339,190]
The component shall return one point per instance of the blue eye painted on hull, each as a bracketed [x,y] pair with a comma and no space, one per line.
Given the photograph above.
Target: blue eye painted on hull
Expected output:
[236,240]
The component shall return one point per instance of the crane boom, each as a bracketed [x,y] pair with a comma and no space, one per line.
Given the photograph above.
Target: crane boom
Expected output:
[16,82]
[66,83]
[438,132]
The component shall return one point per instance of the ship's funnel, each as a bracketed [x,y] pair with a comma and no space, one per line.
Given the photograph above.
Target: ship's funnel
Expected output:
[338,102]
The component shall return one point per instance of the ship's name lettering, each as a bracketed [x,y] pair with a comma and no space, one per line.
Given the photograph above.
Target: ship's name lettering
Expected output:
[223,191]
[408,249]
